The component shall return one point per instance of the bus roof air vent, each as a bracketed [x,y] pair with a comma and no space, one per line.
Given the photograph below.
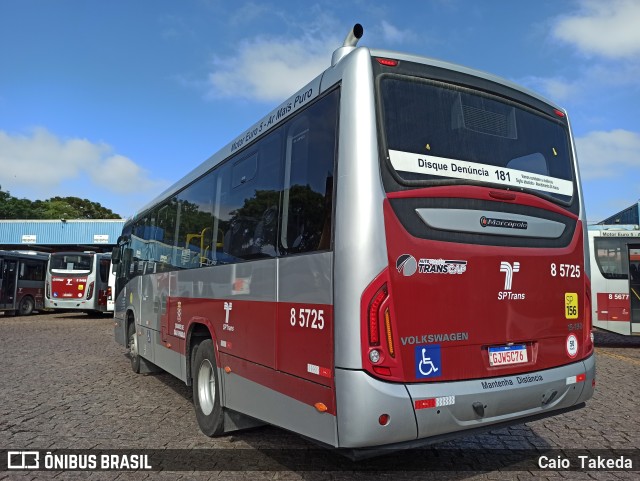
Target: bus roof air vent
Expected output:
[349,44]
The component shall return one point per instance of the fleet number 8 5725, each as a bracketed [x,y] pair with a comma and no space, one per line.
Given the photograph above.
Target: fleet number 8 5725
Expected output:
[311,318]
[565,270]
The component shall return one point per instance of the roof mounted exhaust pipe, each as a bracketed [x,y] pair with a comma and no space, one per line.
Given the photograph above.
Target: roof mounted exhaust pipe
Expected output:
[349,44]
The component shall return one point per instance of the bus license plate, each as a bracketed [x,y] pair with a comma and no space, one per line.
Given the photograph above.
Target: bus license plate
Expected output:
[503,355]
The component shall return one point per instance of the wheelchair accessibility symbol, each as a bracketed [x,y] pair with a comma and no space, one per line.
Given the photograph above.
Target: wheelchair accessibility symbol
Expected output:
[428,361]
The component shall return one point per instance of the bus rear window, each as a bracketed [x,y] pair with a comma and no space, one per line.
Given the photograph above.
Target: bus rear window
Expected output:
[80,263]
[436,131]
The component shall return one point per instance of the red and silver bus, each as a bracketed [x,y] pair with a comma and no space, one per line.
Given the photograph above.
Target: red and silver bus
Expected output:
[22,281]
[394,254]
[615,277]
[78,281]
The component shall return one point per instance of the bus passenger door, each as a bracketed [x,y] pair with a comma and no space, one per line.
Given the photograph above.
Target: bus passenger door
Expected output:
[8,284]
[634,287]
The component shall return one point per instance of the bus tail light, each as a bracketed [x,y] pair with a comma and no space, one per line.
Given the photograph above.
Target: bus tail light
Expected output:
[374,316]
[387,62]
[109,293]
[380,355]
[90,291]
[389,332]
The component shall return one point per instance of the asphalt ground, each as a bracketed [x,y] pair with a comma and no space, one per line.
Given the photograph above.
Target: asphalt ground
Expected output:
[66,388]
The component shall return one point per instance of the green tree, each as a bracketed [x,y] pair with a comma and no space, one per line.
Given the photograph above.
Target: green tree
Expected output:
[13,208]
[54,208]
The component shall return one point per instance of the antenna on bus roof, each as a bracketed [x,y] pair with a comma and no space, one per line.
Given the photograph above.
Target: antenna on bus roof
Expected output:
[349,44]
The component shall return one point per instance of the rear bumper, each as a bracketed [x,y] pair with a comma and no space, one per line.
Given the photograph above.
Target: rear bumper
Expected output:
[434,410]
[68,304]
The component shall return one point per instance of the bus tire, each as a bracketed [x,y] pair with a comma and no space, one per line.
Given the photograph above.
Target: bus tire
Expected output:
[206,390]
[133,348]
[26,306]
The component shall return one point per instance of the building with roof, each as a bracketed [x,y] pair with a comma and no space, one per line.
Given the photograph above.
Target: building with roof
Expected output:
[630,215]
[59,235]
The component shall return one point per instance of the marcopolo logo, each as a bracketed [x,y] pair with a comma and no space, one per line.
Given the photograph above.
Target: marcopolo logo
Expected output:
[504,223]
[407,265]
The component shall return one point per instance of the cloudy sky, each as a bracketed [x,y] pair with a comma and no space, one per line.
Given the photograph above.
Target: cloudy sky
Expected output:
[115,100]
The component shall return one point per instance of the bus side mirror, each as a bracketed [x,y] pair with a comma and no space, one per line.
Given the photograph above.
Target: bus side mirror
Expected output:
[123,239]
[115,255]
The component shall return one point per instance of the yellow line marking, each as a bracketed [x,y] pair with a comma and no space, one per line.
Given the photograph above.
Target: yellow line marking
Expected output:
[634,291]
[630,360]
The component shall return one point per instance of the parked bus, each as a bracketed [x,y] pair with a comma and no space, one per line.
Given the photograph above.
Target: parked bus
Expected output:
[22,281]
[78,281]
[111,288]
[615,277]
[394,254]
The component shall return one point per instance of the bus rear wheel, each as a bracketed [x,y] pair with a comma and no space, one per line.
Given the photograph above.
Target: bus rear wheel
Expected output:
[133,348]
[206,390]
[26,306]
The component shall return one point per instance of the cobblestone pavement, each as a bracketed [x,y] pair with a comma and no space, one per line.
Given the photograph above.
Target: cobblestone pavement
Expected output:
[66,384]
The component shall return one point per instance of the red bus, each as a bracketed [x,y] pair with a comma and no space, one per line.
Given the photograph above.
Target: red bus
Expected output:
[615,277]
[393,255]
[78,281]
[22,277]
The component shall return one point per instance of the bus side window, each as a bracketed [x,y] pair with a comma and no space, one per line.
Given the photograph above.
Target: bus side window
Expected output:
[167,216]
[195,229]
[32,271]
[633,272]
[609,258]
[308,190]
[247,209]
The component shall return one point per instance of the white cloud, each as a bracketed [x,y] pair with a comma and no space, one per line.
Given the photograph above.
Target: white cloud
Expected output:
[608,154]
[392,34]
[271,69]
[555,89]
[41,162]
[605,28]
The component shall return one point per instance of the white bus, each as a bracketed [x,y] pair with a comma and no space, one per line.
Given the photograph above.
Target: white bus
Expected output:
[615,277]
[78,281]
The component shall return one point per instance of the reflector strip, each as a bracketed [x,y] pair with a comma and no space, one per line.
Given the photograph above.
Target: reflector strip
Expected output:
[435,402]
[576,379]
[319,371]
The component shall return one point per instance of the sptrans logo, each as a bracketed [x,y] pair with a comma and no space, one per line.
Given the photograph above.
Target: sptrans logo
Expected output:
[407,265]
[509,270]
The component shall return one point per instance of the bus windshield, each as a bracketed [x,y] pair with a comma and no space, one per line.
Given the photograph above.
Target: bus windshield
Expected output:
[436,131]
[71,263]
